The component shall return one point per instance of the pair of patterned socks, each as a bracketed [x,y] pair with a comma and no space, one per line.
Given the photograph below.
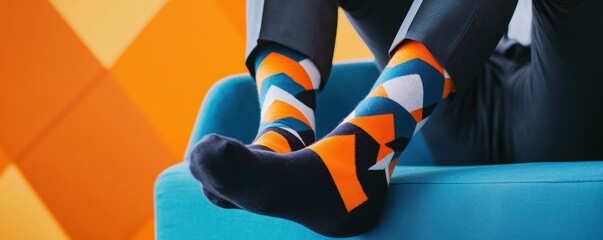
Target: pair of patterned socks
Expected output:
[337,185]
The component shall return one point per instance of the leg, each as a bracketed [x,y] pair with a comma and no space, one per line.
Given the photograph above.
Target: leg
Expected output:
[472,128]
[284,40]
[466,129]
[377,22]
[460,34]
[539,108]
[555,114]
[308,27]
[337,185]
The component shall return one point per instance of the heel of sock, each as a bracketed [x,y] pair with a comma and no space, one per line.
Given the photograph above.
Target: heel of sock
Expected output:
[216,200]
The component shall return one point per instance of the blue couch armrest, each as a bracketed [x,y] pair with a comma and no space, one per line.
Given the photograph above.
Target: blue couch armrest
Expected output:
[516,201]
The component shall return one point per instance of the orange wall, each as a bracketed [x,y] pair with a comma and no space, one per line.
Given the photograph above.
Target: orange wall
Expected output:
[98,97]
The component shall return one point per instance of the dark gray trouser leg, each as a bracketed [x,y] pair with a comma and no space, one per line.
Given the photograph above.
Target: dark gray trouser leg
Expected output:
[307,26]
[556,111]
[460,34]
[543,108]
[377,22]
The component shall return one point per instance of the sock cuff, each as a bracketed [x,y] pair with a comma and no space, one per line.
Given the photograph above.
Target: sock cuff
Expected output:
[288,61]
[410,50]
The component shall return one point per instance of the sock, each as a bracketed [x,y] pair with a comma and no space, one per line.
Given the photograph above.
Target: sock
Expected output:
[336,186]
[286,82]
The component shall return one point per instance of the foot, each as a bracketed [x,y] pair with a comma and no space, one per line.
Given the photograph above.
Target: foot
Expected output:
[295,186]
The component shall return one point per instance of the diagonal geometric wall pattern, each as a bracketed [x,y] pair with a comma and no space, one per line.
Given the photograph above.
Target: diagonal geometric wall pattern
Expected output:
[97,97]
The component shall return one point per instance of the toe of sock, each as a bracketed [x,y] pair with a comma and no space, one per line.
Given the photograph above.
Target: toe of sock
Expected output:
[218,161]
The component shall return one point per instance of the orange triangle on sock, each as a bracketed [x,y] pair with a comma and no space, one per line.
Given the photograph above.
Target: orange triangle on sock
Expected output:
[274,141]
[410,50]
[339,156]
[378,92]
[383,152]
[276,63]
[448,87]
[279,110]
[381,128]
[417,114]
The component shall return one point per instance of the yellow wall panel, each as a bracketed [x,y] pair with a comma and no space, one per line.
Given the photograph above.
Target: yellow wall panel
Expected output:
[348,45]
[22,214]
[107,27]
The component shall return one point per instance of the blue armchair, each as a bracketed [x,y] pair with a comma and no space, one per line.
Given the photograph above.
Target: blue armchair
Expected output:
[560,200]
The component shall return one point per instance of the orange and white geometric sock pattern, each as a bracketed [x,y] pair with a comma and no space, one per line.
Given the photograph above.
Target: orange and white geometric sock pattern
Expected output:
[381,126]
[287,83]
[337,185]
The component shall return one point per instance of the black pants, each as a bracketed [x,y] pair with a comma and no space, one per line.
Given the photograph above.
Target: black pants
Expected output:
[512,104]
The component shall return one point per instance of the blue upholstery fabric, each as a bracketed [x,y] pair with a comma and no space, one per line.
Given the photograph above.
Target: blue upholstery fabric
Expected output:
[514,201]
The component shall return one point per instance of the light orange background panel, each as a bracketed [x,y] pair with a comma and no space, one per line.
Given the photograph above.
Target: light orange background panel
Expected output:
[81,142]
[95,170]
[22,214]
[43,66]
[107,27]
[348,45]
